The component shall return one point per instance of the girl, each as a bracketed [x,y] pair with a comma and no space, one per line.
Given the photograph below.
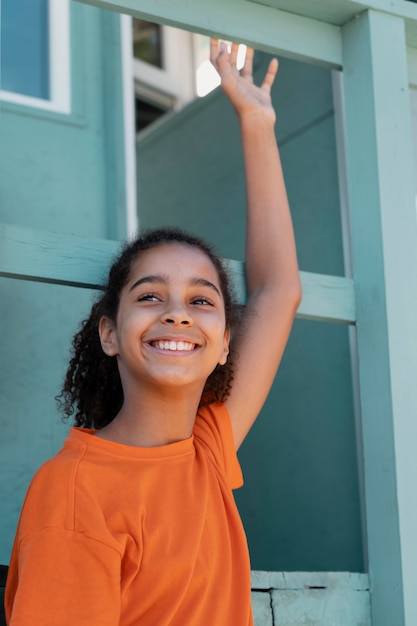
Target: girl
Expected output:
[134,522]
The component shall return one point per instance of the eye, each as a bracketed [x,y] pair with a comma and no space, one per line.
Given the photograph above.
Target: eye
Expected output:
[202,301]
[148,297]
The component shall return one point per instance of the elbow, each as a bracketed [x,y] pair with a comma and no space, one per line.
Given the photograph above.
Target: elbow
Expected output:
[295,295]
[289,296]
[298,291]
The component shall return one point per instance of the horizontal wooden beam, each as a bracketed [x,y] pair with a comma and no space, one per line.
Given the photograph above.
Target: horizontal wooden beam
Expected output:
[399,8]
[342,11]
[46,257]
[265,28]
[327,298]
[42,256]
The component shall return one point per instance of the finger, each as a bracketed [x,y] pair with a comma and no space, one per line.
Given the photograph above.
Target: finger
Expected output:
[218,54]
[233,54]
[270,75]
[247,68]
[214,50]
[223,62]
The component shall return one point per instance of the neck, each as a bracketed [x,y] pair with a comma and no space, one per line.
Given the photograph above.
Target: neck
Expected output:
[153,420]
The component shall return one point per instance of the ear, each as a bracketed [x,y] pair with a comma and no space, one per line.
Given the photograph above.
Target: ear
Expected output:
[226,342]
[108,339]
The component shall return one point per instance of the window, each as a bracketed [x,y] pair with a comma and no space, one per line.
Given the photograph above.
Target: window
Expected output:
[163,70]
[171,68]
[35,65]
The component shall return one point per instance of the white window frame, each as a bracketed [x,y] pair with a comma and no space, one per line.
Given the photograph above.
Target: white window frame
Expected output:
[174,84]
[132,222]
[59,64]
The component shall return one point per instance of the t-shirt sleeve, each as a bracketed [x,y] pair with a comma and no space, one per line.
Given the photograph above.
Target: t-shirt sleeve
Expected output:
[64,577]
[213,427]
[60,574]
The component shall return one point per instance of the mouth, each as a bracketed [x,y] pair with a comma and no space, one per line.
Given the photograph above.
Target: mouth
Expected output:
[174,346]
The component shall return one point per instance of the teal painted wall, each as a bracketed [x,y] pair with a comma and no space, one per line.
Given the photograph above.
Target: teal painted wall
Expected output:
[63,174]
[300,504]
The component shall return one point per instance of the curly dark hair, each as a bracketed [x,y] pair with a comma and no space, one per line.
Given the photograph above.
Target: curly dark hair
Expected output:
[92,390]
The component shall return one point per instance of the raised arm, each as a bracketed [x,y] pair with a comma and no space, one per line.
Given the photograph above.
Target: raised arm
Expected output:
[273,283]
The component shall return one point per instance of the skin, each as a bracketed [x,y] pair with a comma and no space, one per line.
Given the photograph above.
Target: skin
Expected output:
[273,282]
[173,295]
[162,392]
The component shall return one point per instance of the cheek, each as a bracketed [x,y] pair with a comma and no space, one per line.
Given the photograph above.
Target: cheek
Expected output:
[223,337]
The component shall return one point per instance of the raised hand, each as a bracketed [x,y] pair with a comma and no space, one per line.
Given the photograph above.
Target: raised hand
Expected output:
[247,98]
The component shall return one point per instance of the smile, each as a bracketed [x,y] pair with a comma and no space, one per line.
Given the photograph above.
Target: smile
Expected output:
[176,346]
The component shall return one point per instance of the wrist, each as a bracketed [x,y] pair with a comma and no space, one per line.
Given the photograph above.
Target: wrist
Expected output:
[252,120]
[256,128]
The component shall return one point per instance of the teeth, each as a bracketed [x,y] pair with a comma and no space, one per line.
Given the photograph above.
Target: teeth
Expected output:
[181,346]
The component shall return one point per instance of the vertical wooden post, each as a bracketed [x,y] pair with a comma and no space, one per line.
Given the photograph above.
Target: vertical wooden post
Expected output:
[384,244]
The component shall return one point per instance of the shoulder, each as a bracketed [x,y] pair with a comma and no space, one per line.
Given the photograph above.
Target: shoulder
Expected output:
[60,467]
[213,423]
[213,429]
[50,490]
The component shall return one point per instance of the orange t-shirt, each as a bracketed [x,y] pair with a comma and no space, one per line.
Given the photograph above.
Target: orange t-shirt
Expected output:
[121,535]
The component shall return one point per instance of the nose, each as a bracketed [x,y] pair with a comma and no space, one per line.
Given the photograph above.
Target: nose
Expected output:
[177,317]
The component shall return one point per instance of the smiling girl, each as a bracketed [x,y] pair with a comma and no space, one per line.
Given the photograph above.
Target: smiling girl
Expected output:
[134,521]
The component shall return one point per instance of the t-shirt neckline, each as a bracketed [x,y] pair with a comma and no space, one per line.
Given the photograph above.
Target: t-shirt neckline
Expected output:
[86,436]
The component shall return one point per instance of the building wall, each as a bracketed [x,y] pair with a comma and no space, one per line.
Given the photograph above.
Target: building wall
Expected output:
[300,504]
[61,173]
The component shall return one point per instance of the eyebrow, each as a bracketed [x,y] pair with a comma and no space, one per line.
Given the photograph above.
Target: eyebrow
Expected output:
[163,280]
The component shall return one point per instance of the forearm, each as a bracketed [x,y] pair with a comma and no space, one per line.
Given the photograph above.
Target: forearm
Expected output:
[274,290]
[270,259]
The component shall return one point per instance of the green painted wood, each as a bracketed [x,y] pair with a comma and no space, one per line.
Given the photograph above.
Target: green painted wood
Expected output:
[54,258]
[384,239]
[331,298]
[76,261]
[300,29]
[276,31]
[342,11]
[325,298]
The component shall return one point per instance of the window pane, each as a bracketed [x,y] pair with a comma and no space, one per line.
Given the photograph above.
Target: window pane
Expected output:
[146,113]
[24,47]
[147,44]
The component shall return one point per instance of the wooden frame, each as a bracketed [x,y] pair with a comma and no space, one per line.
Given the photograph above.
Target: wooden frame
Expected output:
[80,262]
[382,204]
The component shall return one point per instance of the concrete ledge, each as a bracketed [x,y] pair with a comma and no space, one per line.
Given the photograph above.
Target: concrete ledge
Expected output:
[310,599]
